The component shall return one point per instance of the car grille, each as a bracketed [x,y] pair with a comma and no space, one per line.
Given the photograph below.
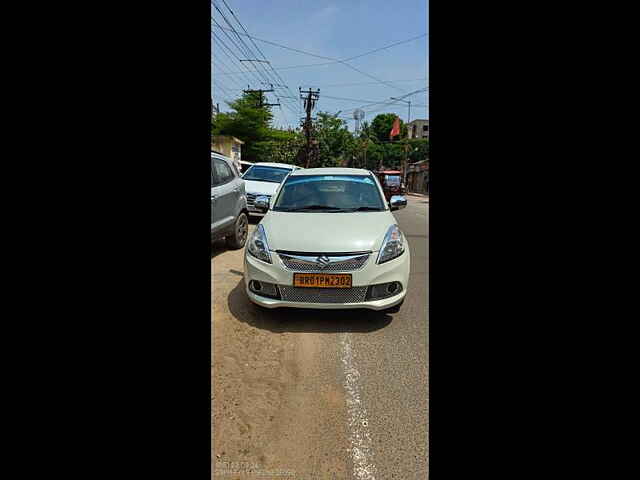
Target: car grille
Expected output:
[335,263]
[323,295]
[251,198]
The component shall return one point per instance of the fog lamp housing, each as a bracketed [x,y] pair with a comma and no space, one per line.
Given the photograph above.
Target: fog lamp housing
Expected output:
[264,289]
[383,290]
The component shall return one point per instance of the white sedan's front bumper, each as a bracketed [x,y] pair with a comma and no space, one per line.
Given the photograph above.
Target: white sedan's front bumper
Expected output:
[396,270]
[254,211]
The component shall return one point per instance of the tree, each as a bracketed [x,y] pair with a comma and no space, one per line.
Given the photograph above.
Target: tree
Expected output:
[418,149]
[248,121]
[369,154]
[335,143]
[282,146]
[382,125]
[393,155]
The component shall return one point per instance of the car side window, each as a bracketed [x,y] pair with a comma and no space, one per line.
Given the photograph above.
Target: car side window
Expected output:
[214,177]
[223,172]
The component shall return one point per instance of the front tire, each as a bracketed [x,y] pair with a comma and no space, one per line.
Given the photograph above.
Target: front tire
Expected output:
[240,231]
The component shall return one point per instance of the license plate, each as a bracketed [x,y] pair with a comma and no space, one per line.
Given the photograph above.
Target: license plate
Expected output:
[322,280]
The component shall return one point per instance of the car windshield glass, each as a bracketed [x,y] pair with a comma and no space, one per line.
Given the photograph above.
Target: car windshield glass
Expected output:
[392,180]
[266,174]
[329,193]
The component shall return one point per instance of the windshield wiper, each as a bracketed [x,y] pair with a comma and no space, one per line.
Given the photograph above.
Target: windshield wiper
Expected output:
[311,207]
[363,209]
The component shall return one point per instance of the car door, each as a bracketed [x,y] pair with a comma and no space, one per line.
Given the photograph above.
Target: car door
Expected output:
[225,195]
[214,184]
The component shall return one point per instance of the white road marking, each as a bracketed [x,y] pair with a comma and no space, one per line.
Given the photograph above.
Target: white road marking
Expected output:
[361,450]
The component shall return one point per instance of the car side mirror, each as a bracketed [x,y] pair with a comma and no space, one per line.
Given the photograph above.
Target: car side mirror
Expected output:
[262,203]
[397,202]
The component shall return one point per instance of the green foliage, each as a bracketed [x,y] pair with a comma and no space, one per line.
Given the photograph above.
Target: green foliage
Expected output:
[382,125]
[393,155]
[282,146]
[247,122]
[336,145]
[419,149]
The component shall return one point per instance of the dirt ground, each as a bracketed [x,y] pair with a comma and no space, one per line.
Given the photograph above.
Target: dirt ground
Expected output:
[267,416]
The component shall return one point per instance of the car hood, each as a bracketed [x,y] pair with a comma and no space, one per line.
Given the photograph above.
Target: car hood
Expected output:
[262,188]
[326,232]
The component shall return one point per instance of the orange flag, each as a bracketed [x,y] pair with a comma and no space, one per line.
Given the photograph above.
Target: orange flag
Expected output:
[396,128]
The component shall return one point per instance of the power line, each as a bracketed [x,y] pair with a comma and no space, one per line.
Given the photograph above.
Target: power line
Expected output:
[384,48]
[247,50]
[333,61]
[261,75]
[367,83]
[349,99]
[231,55]
[384,103]
[254,44]
[277,77]
[216,65]
[327,58]
[295,66]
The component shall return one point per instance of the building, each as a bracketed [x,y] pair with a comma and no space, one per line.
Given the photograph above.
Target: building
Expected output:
[418,177]
[228,146]
[418,128]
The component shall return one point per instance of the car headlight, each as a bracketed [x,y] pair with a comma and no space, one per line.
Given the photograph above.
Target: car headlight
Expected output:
[257,245]
[392,245]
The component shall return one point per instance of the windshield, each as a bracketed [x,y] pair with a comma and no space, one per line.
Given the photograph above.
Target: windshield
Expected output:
[329,193]
[392,180]
[266,174]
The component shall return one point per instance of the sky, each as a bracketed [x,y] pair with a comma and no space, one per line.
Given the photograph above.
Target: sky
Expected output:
[337,29]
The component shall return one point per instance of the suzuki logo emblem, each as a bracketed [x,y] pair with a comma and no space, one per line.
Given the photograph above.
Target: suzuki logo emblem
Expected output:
[323,261]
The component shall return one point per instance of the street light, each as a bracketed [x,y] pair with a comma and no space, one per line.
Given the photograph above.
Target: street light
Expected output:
[408,102]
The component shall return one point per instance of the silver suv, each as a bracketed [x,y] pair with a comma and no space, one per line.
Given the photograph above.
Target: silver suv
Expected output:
[229,214]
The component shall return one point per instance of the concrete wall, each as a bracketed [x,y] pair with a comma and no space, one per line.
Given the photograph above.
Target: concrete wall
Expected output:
[229,147]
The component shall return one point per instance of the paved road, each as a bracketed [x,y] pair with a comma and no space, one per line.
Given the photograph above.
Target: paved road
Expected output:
[303,394]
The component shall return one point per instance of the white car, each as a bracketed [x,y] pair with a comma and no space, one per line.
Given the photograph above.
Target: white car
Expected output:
[264,178]
[328,240]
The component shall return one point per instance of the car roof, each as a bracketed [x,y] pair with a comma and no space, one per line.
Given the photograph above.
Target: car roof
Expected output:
[220,156]
[332,171]
[278,165]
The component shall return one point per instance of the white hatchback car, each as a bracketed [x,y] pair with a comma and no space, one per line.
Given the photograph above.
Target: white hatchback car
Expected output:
[328,240]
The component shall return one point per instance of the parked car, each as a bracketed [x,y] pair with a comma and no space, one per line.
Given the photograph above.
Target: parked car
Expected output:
[264,178]
[229,213]
[328,240]
[244,166]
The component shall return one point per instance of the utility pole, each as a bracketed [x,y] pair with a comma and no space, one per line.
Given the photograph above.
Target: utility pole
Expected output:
[406,159]
[309,103]
[260,93]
